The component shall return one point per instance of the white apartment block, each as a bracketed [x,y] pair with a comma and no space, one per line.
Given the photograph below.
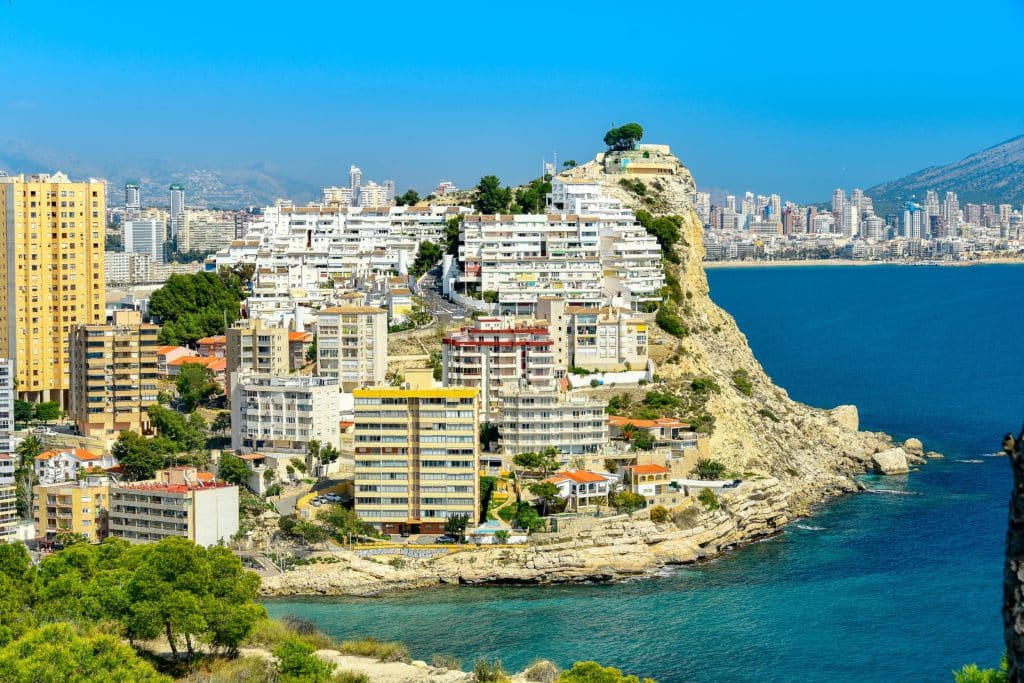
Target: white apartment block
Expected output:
[275,414]
[533,419]
[205,230]
[145,236]
[180,501]
[497,354]
[8,496]
[126,268]
[352,345]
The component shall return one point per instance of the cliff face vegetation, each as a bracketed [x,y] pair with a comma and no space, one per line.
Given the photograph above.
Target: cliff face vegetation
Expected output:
[757,426]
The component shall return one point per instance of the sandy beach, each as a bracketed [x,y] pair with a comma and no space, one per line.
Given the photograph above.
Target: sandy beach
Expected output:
[850,262]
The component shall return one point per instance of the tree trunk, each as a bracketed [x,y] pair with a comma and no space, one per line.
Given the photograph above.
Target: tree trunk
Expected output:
[188,644]
[170,640]
[1013,570]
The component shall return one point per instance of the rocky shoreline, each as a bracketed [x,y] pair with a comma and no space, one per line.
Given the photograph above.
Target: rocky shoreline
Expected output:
[610,549]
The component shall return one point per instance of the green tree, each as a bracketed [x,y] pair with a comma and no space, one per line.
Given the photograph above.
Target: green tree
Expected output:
[233,470]
[222,422]
[47,411]
[628,502]
[25,475]
[190,307]
[642,440]
[707,469]
[23,411]
[195,385]
[311,351]
[549,460]
[592,672]
[547,495]
[741,380]
[528,461]
[297,662]
[624,137]
[972,674]
[408,198]
[488,434]
[491,197]
[138,456]
[455,525]
[178,434]
[668,319]
[56,652]
[427,255]
[340,522]
[452,230]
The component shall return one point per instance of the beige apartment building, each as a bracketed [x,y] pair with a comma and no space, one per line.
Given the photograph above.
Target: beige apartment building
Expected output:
[606,339]
[73,507]
[253,345]
[352,345]
[180,501]
[533,419]
[52,263]
[282,414]
[417,457]
[113,375]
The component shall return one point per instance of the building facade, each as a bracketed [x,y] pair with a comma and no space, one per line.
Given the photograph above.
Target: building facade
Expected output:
[352,345]
[417,456]
[145,236]
[73,507]
[534,419]
[113,375]
[496,354]
[52,263]
[275,414]
[253,345]
[8,459]
[604,339]
[179,502]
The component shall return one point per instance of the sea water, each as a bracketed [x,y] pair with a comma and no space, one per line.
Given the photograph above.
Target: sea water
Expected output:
[903,583]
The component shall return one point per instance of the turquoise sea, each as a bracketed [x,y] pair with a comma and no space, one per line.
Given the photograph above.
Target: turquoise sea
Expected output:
[902,584]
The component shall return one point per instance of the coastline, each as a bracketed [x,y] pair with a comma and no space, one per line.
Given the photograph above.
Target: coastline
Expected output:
[714,265]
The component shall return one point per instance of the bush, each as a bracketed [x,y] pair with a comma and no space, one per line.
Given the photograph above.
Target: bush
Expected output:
[592,672]
[350,677]
[669,321]
[269,633]
[628,502]
[447,662]
[972,674]
[709,469]
[704,385]
[659,514]
[764,412]
[709,499]
[741,380]
[686,516]
[380,650]
[542,671]
[487,672]
[297,662]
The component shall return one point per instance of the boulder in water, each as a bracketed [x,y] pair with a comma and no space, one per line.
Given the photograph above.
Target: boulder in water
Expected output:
[913,446]
[891,461]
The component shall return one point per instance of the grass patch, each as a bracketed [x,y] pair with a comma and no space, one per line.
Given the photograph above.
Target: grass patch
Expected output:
[709,499]
[489,672]
[447,662]
[269,633]
[741,380]
[380,650]
[765,413]
[350,677]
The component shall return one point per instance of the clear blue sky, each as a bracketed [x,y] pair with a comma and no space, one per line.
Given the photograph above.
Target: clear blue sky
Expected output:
[793,97]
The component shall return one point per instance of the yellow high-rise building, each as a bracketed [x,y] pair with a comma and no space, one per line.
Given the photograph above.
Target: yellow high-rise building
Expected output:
[52,265]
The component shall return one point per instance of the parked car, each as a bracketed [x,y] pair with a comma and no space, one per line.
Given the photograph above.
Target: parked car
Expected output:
[445,539]
[404,534]
[316,503]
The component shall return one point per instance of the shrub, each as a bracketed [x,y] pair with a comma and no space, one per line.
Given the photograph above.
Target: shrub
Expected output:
[705,385]
[592,672]
[709,469]
[764,412]
[370,647]
[541,671]
[741,380]
[269,633]
[397,562]
[350,677]
[669,321]
[659,514]
[488,672]
[686,516]
[501,536]
[708,498]
[972,674]
[628,502]
[447,662]
[297,662]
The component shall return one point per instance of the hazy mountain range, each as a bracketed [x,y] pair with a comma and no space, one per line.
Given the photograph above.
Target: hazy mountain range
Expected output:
[256,185]
[992,176]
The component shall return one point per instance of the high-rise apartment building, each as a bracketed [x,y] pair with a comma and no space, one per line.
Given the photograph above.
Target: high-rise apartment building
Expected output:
[132,199]
[913,221]
[177,217]
[255,346]
[838,201]
[274,414]
[352,345]
[113,375]
[417,457]
[355,180]
[145,236]
[8,460]
[53,266]
[534,419]
[73,507]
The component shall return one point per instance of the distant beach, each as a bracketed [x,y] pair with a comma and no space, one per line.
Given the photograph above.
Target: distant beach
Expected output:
[851,262]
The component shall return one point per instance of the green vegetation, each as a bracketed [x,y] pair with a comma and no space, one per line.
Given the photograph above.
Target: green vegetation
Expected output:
[311,352]
[488,434]
[502,536]
[547,495]
[523,515]
[624,137]
[426,257]
[592,672]
[659,514]
[408,198]
[47,412]
[708,498]
[491,197]
[668,319]
[627,502]
[452,228]
[232,469]
[456,525]
[544,462]
[379,650]
[195,385]
[178,439]
[764,412]
[489,672]
[642,440]
[442,661]
[297,662]
[221,422]
[190,307]
[741,380]
[972,674]
[636,186]
[709,469]
[531,199]
[487,486]
[667,229]
[24,476]
[705,385]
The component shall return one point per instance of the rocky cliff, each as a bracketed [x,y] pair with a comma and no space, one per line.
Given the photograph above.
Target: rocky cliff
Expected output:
[793,455]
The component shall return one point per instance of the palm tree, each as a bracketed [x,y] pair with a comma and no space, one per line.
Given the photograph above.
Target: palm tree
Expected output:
[25,476]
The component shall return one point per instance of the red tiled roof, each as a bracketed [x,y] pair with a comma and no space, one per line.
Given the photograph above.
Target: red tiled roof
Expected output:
[300,336]
[79,453]
[208,361]
[578,476]
[648,469]
[620,421]
[213,341]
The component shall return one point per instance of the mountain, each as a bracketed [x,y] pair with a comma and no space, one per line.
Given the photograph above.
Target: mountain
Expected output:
[255,185]
[992,176]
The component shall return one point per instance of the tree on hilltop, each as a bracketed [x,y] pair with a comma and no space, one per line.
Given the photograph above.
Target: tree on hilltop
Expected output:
[491,196]
[624,138]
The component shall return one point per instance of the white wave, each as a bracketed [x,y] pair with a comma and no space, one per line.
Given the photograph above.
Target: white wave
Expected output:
[893,492]
[999,454]
[808,527]
[971,461]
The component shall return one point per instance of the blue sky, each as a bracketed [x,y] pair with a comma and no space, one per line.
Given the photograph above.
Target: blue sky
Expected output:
[789,97]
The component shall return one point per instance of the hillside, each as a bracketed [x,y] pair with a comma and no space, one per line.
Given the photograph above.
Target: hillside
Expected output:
[991,176]
[230,188]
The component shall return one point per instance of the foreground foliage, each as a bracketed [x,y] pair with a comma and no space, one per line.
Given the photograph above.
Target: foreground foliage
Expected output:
[592,672]
[190,307]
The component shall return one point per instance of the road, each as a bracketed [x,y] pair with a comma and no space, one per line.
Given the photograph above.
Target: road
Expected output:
[429,290]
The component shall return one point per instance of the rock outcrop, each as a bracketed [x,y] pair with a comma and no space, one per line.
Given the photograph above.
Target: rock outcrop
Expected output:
[891,461]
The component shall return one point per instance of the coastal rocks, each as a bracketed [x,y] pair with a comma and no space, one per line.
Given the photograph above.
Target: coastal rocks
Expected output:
[891,461]
[932,455]
[846,417]
[913,447]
